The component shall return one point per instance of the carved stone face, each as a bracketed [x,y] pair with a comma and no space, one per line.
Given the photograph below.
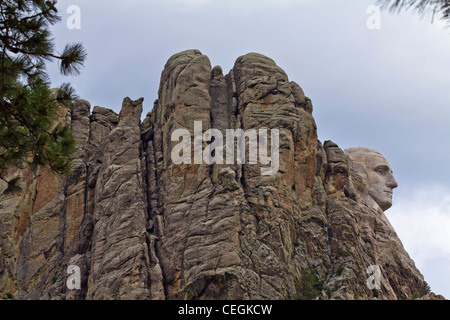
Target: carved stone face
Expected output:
[381,180]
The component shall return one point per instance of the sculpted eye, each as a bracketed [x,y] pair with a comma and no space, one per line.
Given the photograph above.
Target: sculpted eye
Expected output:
[381,170]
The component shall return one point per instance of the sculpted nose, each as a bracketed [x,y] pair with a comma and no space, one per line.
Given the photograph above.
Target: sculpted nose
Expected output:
[392,183]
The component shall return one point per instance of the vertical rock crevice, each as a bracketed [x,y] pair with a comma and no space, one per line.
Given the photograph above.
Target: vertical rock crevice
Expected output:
[120,261]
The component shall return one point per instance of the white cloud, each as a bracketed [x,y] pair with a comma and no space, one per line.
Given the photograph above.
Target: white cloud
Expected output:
[422,221]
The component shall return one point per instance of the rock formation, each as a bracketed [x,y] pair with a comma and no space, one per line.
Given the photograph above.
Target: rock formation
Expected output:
[141,227]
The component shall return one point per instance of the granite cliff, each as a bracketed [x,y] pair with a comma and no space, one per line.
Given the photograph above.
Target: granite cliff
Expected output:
[139,226]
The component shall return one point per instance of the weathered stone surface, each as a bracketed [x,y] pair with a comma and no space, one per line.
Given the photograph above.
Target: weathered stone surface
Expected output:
[399,276]
[140,226]
[120,262]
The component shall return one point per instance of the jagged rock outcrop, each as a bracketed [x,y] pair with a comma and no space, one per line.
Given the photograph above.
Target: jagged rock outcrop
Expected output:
[140,226]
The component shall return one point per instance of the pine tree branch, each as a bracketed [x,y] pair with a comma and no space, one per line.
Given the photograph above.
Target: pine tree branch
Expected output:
[435,8]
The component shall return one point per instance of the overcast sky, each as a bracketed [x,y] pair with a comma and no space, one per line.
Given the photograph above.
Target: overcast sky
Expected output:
[387,89]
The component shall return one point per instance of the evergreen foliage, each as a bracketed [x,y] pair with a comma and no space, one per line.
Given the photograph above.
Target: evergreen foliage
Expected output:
[29,129]
[434,8]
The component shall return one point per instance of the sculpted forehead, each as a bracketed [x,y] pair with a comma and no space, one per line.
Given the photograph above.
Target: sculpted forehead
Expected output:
[376,160]
[366,156]
[361,151]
